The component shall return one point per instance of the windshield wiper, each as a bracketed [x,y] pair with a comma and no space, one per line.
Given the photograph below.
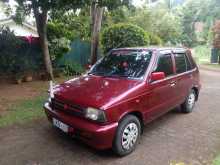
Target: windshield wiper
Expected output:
[108,74]
[96,73]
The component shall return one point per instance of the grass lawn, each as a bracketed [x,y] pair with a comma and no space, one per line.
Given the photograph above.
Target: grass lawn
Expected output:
[217,161]
[24,111]
[24,102]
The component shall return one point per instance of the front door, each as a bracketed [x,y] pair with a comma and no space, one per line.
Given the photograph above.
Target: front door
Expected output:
[162,96]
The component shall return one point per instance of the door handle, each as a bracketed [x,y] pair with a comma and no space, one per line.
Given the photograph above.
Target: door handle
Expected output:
[173,84]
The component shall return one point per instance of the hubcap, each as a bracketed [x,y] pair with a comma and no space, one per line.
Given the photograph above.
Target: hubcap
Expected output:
[129,136]
[191,100]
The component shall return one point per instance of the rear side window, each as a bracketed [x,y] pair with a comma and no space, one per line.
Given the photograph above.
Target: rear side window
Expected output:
[188,64]
[165,64]
[192,63]
[181,64]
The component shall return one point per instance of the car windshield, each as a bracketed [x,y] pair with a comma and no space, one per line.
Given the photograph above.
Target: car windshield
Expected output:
[129,64]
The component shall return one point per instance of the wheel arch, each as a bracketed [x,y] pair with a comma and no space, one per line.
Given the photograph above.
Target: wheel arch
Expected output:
[137,114]
[196,91]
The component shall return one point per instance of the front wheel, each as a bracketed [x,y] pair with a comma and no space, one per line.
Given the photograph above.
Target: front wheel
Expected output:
[127,135]
[189,103]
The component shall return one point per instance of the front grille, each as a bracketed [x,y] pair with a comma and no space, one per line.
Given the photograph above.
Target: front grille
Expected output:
[66,108]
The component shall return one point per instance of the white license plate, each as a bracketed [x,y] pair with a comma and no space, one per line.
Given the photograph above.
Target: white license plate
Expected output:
[60,125]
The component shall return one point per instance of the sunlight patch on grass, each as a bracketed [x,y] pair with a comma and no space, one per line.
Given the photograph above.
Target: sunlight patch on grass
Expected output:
[23,111]
[217,161]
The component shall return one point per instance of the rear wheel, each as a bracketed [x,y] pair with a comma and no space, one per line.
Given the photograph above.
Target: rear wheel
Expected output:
[189,103]
[127,135]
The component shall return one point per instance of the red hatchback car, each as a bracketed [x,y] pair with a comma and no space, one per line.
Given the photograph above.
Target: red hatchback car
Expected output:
[129,87]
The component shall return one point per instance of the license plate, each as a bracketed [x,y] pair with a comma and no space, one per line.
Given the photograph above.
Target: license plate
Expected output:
[60,125]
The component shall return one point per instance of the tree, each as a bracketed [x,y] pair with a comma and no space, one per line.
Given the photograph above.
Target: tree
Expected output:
[96,15]
[97,9]
[40,9]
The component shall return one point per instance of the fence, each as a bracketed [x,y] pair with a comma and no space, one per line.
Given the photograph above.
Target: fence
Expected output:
[80,53]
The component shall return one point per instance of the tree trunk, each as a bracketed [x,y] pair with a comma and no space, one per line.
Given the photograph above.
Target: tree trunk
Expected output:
[96,13]
[47,60]
[41,23]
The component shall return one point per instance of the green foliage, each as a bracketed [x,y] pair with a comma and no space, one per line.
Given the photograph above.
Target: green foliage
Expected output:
[8,46]
[65,27]
[24,111]
[189,14]
[70,24]
[59,39]
[59,30]
[58,47]
[206,11]
[124,35]
[202,53]
[118,15]
[72,68]
[155,20]
[155,40]
[167,27]
[16,55]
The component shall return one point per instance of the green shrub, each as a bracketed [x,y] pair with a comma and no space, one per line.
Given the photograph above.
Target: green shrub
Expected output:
[155,40]
[9,44]
[17,55]
[123,35]
[58,47]
[59,39]
[72,68]
[58,30]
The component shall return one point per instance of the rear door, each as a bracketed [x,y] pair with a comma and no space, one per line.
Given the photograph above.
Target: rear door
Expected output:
[184,75]
[162,92]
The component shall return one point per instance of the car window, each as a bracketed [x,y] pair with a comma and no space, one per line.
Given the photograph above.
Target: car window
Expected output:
[165,64]
[188,64]
[181,65]
[123,63]
[192,63]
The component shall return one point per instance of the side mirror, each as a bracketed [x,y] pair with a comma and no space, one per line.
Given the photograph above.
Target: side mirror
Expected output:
[157,76]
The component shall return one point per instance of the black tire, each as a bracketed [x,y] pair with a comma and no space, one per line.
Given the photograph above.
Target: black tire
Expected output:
[186,107]
[129,120]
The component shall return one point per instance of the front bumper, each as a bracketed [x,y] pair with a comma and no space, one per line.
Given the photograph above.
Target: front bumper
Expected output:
[95,135]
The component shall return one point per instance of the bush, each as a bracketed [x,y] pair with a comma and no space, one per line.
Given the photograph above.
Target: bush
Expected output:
[155,40]
[58,47]
[8,47]
[17,55]
[123,35]
[59,39]
[71,68]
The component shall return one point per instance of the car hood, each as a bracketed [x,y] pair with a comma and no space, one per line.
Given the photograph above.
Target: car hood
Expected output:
[94,91]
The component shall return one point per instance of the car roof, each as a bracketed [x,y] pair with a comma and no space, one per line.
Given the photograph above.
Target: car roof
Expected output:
[154,48]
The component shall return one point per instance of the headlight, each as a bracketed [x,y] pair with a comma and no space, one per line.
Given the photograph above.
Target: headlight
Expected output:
[95,114]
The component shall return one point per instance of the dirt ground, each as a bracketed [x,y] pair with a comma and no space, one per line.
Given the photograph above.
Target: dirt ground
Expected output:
[193,138]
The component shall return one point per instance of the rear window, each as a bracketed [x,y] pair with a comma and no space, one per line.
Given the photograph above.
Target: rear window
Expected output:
[190,59]
[188,64]
[181,64]
[165,64]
